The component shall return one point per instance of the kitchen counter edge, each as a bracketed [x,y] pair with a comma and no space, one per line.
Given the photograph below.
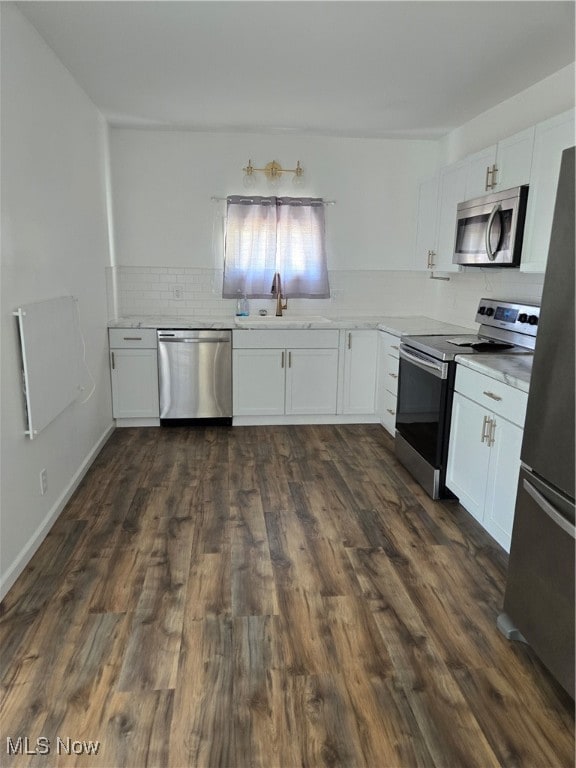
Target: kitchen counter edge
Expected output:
[514,370]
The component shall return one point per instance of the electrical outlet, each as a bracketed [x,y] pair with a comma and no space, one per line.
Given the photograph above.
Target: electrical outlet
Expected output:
[43,481]
[177,292]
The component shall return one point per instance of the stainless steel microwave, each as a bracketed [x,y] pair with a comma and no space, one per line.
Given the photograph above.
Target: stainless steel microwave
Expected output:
[489,229]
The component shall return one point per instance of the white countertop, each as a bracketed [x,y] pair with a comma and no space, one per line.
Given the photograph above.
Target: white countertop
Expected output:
[514,370]
[399,326]
[418,325]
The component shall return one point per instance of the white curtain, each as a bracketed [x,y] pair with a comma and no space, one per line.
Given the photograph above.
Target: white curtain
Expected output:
[265,235]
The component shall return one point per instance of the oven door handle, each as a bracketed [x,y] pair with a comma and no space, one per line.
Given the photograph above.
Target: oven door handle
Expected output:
[438,369]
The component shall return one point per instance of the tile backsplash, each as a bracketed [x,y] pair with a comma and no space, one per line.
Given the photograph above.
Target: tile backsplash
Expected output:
[194,292]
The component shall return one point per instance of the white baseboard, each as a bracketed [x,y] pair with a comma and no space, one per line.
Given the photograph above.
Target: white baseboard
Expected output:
[252,421]
[8,579]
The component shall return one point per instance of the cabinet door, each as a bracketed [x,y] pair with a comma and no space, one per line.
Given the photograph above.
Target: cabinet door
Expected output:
[451,192]
[427,224]
[514,160]
[258,382]
[468,455]
[311,381]
[502,480]
[134,375]
[479,173]
[551,138]
[360,368]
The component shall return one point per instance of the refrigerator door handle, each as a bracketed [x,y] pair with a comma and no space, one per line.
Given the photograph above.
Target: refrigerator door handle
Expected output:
[546,507]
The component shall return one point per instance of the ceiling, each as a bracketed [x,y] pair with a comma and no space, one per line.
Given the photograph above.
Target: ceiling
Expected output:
[372,69]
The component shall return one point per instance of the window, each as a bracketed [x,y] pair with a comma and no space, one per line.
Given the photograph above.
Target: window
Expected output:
[265,235]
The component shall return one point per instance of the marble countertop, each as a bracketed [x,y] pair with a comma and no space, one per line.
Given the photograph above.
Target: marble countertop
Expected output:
[399,326]
[514,370]
[418,325]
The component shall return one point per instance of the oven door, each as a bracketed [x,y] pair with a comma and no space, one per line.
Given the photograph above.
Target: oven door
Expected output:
[489,230]
[425,391]
[424,394]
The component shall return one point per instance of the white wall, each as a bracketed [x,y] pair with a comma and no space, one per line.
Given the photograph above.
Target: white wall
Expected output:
[54,243]
[168,231]
[163,181]
[549,97]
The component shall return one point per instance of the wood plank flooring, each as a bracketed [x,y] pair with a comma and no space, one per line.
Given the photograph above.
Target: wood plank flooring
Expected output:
[267,597]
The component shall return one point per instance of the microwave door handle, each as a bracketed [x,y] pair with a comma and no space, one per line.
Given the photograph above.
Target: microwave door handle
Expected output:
[489,252]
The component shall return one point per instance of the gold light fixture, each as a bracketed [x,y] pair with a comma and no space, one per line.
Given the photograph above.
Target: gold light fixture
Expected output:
[272,170]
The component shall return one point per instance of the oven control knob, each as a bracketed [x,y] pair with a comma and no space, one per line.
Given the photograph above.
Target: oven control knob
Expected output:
[533,320]
[489,311]
[523,318]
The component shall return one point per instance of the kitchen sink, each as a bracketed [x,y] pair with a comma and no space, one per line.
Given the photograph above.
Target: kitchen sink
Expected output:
[271,321]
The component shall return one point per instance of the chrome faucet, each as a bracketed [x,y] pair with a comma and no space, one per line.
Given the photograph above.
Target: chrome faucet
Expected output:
[276,290]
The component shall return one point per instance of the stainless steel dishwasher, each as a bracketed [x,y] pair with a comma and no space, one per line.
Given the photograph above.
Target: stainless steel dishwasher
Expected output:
[195,375]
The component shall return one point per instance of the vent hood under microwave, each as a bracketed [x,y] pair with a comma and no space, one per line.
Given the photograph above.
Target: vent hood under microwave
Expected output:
[489,229]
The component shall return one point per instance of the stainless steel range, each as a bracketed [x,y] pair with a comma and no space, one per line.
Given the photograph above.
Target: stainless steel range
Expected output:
[426,384]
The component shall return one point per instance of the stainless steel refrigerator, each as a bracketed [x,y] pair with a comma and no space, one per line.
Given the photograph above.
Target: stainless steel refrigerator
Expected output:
[539,599]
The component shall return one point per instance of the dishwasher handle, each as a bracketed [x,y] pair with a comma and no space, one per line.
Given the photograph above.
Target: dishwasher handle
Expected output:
[194,336]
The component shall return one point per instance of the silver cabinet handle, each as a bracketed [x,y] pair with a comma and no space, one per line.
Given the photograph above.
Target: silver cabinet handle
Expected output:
[393,375]
[394,346]
[549,510]
[487,180]
[391,412]
[494,180]
[431,255]
[113,361]
[132,338]
[289,359]
[282,363]
[492,396]
[485,424]
[489,252]
[491,433]
[349,341]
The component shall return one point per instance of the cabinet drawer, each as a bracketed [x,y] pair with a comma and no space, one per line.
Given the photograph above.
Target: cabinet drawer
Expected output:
[391,344]
[391,368]
[493,395]
[388,415]
[132,338]
[272,339]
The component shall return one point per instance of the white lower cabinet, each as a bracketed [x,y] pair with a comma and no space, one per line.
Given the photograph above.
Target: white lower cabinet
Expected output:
[387,386]
[134,373]
[277,373]
[360,368]
[484,453]
[311,381]
[258,382]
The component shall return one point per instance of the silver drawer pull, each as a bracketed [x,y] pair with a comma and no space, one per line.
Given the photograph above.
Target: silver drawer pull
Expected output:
[393,375]
[394,346]
[391,412]
[132,338]
[492,396]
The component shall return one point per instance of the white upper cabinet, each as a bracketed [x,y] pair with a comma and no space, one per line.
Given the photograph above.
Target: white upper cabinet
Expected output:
[501,166]
[551,138]
[479,173]
[427,226]
[451,191]
[513,161]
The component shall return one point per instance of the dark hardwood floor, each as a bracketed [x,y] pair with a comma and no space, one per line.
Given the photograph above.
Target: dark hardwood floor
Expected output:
[268,597]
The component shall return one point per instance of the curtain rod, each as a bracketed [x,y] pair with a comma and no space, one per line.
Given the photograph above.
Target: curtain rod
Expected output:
[223,199]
